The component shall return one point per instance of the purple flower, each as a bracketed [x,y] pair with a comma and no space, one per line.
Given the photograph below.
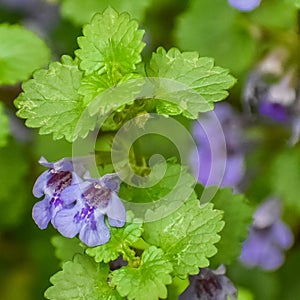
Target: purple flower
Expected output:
[273,91]
[268,237]
[274,110]
[244,5]
[218,138]
[51,183]
[276,99]
[93,199]
[39,15]
[210,284]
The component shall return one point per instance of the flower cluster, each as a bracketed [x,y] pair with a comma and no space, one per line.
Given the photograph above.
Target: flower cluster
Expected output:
[268,237]
[77,206]
[209,284]
[221,159]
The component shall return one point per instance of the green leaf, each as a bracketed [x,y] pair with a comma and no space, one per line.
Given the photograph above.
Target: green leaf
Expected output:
[244,294]
[119,243]
[198,80]
[285,177]
[277,14]
[92,85]
[14,167]
[15,186]
[15,204]
[21,52]
[4,131]
[167,187]
[170,182]
[215,29]
[187,236]
[80,14]
[147,281]
[66,248]
[51,102]
[296,3]
[111,45]
[81,279]
[237,217]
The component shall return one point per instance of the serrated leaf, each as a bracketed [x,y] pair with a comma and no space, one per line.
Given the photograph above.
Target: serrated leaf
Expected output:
[81,14]
[112,44]
[92,85]
[81,279]
[3,126]
[51,102]
[167,187]
[66,248]
[285,177]
[121,239]
[221,33]
[187,236]
[146,282]
[21,52]
[238,217]
[168,183]
[199,82]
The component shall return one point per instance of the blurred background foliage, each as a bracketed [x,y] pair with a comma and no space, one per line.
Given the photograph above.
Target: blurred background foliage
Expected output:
[238,41]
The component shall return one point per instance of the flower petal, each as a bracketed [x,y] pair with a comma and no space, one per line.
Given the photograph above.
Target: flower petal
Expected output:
[64,164]
[94,232]
[111,181]
[40,184]
[253,248]
[41,213]
[64,222]
[282,235]
[234,170]
[116,211]
[267,213]
[272,259]
[75,178]
[244,5]
[44,162]
[73,193]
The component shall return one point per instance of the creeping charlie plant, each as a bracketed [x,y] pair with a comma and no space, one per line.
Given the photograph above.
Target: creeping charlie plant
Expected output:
[140,169]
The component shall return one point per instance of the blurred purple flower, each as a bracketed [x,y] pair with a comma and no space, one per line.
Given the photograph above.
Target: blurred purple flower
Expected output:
[39,15]
[209,284]
[272,91]
[51,183]
[93,199]
[244,5]
[274,110]
[219,148]
[268,237]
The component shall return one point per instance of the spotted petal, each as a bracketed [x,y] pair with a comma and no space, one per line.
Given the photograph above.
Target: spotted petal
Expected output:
[94,232]
[65,223]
